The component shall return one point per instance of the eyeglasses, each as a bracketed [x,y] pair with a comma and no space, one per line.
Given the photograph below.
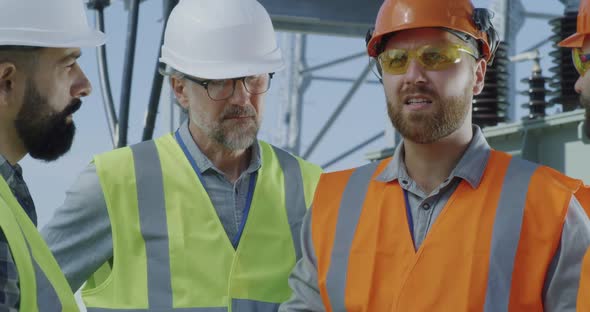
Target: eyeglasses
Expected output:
[581,61]
[431,57]
[222,89]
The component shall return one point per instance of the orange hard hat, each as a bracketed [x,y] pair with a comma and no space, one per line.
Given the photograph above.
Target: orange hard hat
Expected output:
[458,15]
[577,40]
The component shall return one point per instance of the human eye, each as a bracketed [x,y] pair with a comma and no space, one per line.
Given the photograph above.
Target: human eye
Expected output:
[218,83]
[396,58]
[434,56]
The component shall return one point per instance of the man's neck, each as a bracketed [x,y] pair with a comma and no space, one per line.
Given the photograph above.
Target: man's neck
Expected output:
[430,164]
[11,147]
[231,162]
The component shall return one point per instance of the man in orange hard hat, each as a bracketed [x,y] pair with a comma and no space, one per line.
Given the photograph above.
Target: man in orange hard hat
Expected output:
[447,223]
[581,57]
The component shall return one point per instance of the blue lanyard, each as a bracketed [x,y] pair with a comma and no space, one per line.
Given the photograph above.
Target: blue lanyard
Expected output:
[249,195]
[409,214]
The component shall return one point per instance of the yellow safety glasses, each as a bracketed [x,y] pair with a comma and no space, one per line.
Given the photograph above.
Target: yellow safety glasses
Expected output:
[431,57]
[581,60]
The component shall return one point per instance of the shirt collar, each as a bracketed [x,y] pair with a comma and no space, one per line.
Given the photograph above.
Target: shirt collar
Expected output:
[204,163]
[7,170]
[470,168]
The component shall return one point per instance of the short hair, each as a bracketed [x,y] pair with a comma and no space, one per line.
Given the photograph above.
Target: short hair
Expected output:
[26,57]
[170,72]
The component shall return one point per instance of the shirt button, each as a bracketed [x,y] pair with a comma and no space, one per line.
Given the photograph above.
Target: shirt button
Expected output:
[426,206]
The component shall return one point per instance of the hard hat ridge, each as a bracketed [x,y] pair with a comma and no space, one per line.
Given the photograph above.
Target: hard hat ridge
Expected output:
[50,24]
[582,29]
[213,40]
[458,15]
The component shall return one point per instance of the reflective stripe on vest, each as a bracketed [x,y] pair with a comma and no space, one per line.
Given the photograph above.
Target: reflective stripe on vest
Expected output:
[348,216]
[42,284]
[294,196]
[237,305]
[153,219]
[506,233]
[508,219]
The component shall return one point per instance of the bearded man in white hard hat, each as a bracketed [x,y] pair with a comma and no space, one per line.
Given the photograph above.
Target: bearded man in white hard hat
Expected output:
[207,217]
[41,86]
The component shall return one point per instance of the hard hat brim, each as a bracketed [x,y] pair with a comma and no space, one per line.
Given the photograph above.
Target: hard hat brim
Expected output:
[90,38]
[574,41]
[273,62]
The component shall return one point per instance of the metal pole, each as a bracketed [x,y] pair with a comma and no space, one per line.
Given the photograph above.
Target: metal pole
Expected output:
[150,119]
[354,149]
[539,15]
[335,62]
[305,83]
[297,87]
[103,73]
[339,109]
[128,72]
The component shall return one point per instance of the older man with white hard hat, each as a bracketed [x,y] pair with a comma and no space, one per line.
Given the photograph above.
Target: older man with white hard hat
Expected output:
[206,218]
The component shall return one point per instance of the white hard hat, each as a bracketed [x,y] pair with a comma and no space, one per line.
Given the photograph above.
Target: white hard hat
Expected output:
[46,23]
[220,39]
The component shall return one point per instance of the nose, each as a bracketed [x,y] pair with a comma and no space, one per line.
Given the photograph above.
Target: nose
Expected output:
[415,73]
[241,96]
[81,86]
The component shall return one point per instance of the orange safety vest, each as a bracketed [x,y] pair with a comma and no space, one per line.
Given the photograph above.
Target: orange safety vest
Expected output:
[489,249]
[584,290]
[583,196]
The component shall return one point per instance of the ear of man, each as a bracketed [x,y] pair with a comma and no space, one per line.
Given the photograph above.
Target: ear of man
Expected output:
[15,61]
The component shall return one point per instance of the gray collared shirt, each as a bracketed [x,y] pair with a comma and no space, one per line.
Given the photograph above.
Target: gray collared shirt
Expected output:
[425,208]
[561,285]
[79,233]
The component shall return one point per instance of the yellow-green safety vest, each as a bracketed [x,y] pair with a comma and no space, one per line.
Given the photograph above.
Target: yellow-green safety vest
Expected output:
[43,286]
[170,250]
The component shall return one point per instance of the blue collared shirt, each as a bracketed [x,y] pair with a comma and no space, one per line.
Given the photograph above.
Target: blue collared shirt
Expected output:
[426,207]
[229,199]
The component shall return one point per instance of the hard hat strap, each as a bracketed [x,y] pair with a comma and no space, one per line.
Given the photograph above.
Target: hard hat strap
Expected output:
[483,21]
[368,37]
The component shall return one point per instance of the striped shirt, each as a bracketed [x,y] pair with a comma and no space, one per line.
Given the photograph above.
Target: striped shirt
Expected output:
[9,286]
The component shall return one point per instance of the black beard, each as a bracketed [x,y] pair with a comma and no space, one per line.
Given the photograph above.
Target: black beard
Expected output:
[46,134]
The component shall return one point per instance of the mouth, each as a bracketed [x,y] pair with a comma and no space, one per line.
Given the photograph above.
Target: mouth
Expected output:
[417,102]
[73,107]
[238,117]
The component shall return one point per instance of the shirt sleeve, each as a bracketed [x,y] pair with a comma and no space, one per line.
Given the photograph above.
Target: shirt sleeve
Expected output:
[79,233]
[9,289]
[304,278]
[565,274]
